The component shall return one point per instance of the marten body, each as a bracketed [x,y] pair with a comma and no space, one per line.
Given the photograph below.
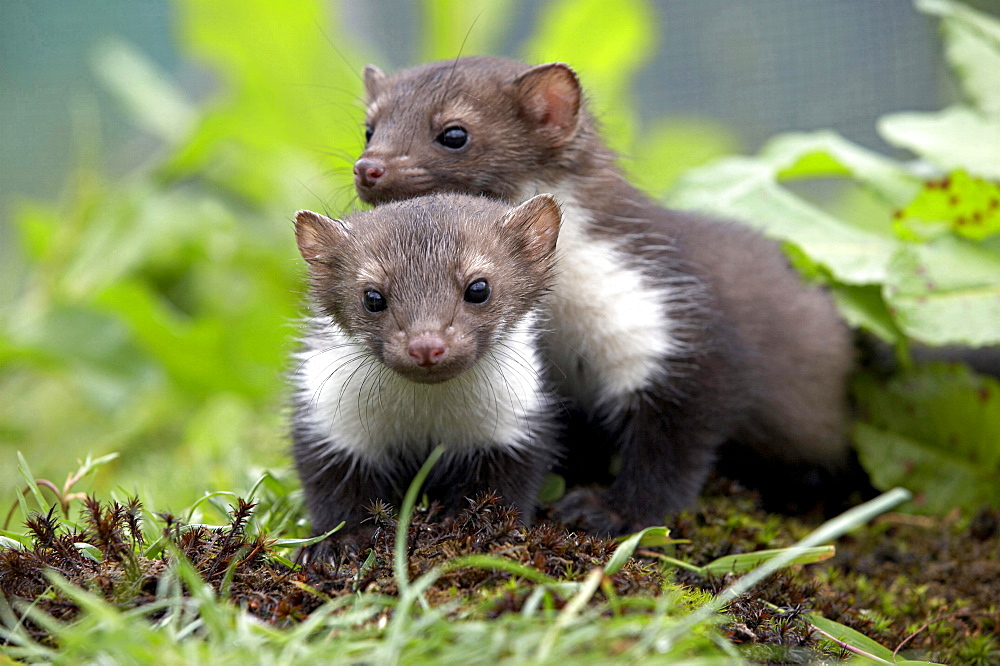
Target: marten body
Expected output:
[670,332]
[424,333]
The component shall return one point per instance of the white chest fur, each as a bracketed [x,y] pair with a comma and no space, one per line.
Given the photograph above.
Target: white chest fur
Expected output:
[609,331]
[360,407]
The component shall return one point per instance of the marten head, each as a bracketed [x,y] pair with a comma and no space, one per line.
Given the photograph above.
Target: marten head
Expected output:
[430,285]
[474,125]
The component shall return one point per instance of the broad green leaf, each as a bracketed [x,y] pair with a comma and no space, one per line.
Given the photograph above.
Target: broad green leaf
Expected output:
[959,203]
[953,139]
[747,189]
[946,292]
[864,307]
[936,431]
[972,47]
[826,154]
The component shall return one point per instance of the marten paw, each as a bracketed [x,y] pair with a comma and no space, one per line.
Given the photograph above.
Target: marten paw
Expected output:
[588,509]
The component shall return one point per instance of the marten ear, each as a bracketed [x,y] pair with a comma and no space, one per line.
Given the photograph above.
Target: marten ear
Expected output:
[539,219]
[374,78]
[550,96]
[319,236]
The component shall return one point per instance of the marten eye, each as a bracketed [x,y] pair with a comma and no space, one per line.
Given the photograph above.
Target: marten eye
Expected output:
[477,292]
[374,301]
[453,137]
[369,130]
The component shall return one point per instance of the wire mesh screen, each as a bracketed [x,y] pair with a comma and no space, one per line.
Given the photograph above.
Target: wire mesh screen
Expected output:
[760,66]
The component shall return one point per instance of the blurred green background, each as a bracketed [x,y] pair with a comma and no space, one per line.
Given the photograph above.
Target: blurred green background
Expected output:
[153,153]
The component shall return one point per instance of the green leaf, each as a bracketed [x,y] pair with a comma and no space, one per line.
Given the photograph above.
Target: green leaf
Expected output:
[29,478]
[851,637]
[747,189]
[89,551]
[936,431]
[497,563]
[623,553]
[746,561]
[405,512]
[959,203]
[864,307]
[13,540]
[299,543]
[946,292]
[826,154]
[972,47]
[953,139]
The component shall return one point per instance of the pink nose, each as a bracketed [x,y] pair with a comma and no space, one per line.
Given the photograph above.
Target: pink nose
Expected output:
[427,350]
[368,170]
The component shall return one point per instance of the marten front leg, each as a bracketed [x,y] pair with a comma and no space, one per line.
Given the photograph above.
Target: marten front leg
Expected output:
[514,474]
[667,438]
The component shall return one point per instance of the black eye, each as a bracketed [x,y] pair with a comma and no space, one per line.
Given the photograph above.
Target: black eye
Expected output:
[368,134]
[477,292]
[453,137]
[374,301]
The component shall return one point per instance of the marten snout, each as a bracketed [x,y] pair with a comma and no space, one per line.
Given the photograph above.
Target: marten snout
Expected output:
[427,350]
[367,171]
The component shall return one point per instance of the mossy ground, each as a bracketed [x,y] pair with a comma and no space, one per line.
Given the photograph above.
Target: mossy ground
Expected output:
[929,586]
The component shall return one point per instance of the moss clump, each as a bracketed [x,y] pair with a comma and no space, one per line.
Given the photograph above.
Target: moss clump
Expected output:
[928,586]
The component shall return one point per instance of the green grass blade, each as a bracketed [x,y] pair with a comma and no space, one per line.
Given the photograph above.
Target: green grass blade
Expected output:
[625,550]
[403,523]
